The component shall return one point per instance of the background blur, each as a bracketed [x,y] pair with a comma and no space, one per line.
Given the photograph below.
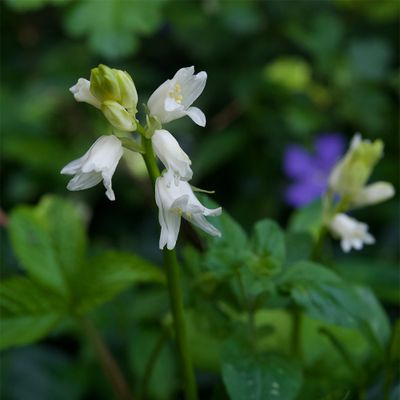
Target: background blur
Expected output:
[279,72]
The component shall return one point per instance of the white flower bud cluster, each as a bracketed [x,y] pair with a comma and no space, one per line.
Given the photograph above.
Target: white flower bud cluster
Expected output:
[114,93]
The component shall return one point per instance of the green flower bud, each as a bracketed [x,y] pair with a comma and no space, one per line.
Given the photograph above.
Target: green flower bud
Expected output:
[104,85]
[118,116]
[129,97]
[351,173]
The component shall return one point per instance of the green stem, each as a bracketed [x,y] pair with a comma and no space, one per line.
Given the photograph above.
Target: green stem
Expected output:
[109,365]
[176,300]
[175,291]
[151,363]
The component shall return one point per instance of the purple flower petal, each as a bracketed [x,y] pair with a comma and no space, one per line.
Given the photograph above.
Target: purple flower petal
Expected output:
[298,162]
[303,192]
[329,148]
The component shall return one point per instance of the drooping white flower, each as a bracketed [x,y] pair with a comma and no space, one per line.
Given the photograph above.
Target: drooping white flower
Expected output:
[373,194]
[173,99]
[171,155]
[81,92]
[98,163]
[176,201]
[352,233]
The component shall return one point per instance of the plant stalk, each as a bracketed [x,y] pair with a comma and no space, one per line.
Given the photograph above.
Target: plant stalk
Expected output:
[109,365]
[174,290]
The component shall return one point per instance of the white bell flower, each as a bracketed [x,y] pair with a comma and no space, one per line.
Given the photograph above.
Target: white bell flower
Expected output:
[179,201]
[173,99]
[98,163]
[81,92]
[171,155]
[374,193]
[353,234]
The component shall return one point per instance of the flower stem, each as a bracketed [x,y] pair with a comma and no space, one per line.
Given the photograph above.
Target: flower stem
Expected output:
[175,291]
[176,300]
[110,367]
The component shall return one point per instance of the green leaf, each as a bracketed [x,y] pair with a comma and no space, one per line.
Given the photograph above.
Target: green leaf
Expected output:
[113,26]
[268,243]
[259,377]
[111,273]
[24,5]
[325,296]
[307,219]
[28,311]
[67,231]
[227,252]
[34,249]
[298,247]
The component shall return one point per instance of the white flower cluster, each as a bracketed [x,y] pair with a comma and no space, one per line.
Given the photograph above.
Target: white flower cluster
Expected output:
[348,180]
[113,92]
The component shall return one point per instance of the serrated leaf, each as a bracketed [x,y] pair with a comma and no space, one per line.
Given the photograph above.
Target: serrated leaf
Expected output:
[259,377]
[325,296]
[28,311]
[268,241]
[111,273]
[33,247]
[298,247]
[225,253]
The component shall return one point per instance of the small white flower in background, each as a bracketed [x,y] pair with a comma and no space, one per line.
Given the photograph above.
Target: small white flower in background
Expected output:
[81,92]
[173,99]
[171,155]
[98,163]
[374,193]
[352,233]
[179,201]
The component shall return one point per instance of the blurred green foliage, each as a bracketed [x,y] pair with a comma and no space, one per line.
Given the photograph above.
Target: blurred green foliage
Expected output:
[278,72]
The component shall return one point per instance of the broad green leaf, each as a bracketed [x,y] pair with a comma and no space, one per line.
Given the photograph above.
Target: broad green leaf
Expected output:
[113,27]
[381,276]
[298,247]
[307,219]
[67,232]
[326,297]
[259,377]
[225,253]
[34,249]
[268,244]
[28,311]
[109,274]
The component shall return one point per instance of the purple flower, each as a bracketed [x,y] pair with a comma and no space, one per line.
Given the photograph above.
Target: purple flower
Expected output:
[310,172]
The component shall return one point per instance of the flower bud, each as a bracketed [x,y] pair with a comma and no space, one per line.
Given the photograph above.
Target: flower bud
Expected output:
[129,97]
[352,172]
[118,116]
[373,194]
[104,85]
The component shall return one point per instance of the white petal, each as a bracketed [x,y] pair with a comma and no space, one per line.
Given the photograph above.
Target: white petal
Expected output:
[84,181]
[374,193]
[197,116]
[200,221]
[171,155]
[193,87]
[98,163]
[81,92]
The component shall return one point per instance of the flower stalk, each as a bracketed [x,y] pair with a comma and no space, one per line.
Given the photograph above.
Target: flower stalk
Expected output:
[174,291]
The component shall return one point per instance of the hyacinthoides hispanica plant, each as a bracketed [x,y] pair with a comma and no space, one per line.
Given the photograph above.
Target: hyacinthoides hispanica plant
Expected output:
[113,92]
[267,309]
